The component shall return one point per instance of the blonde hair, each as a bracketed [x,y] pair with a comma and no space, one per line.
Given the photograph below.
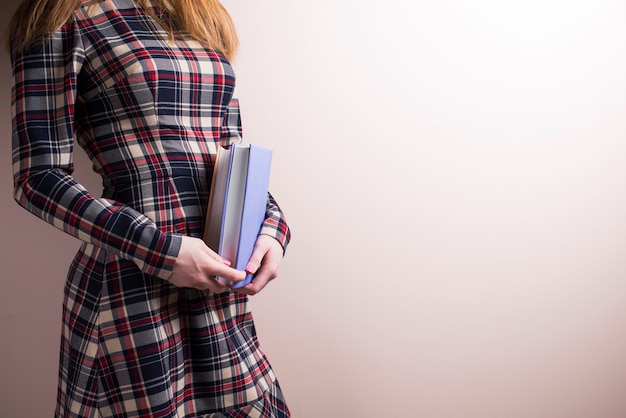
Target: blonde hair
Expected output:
[206,21]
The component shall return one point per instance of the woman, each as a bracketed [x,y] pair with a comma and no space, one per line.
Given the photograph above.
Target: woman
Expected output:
[146,89]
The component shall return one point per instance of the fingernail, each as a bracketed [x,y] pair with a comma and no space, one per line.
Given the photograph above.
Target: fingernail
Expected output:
[228,263]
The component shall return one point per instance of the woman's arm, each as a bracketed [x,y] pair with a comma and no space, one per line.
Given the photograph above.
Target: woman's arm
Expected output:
[44,95]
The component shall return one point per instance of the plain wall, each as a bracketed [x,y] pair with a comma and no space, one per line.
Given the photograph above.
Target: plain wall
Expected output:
[454,176]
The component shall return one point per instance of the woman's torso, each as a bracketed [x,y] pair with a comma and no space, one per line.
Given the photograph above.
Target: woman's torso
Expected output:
[149,113]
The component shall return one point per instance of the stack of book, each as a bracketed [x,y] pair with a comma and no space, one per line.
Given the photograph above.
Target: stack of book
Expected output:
[237,203]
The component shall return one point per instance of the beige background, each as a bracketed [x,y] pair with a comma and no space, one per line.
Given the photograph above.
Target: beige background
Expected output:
[454,176]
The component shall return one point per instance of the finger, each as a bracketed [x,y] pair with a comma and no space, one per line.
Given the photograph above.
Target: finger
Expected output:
[220,267]
[229,274]
[253,288]
[267,273]
[253,265]
[258,253]
[249,290]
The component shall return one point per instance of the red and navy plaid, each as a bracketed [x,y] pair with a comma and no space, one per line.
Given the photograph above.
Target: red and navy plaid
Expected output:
[150,113]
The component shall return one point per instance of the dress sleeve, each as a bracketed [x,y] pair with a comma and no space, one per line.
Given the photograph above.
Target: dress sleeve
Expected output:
[43,99]
[275,224]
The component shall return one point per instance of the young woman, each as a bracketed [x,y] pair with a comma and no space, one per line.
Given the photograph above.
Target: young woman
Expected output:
[145,87]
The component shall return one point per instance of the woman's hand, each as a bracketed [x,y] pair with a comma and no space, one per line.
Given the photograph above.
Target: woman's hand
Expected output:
[197,267]
[265,260]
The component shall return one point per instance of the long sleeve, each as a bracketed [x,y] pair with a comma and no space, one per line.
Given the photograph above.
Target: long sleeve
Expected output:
[44,97]
[275,224]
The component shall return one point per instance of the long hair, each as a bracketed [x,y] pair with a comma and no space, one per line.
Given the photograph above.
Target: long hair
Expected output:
[206,21]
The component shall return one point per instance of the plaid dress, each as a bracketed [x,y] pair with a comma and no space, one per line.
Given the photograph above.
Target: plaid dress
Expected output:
[150,113]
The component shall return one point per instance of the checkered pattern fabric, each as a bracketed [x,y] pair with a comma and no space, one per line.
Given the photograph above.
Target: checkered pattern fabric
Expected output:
[150,113]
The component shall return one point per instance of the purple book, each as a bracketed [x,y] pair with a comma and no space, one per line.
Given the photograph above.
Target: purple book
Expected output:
[237,203]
